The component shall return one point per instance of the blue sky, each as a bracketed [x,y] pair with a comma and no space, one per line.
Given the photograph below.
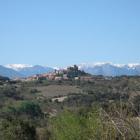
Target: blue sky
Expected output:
[65,32]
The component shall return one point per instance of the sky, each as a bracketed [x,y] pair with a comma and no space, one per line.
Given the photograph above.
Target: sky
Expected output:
[65,32]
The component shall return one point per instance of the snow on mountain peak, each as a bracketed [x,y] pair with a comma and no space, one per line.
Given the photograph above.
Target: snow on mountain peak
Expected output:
[133,65]
[17,66]
[99,64]
[130,65]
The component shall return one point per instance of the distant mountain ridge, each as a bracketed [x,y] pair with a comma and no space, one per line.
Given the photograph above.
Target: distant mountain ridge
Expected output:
[37,69]
[105,69]
[8,72]
[23,70]
[109,69]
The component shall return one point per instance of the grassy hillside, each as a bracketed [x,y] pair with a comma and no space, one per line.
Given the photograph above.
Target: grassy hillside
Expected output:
[104,109]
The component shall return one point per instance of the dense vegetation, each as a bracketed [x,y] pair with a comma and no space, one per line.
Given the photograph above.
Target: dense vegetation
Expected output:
[103,109]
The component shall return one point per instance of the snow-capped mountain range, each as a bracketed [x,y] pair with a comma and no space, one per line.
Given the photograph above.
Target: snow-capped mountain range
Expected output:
[23,70]
[29,70]
[110,69]
[106,69]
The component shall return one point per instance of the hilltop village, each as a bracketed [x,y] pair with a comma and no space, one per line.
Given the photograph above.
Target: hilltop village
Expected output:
[62,74]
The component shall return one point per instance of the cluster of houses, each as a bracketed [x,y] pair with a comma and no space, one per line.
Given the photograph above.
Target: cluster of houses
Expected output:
[63,74]
[48,76]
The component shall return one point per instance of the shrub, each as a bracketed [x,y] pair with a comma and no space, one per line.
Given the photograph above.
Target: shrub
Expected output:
[25,108]
[16,130]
